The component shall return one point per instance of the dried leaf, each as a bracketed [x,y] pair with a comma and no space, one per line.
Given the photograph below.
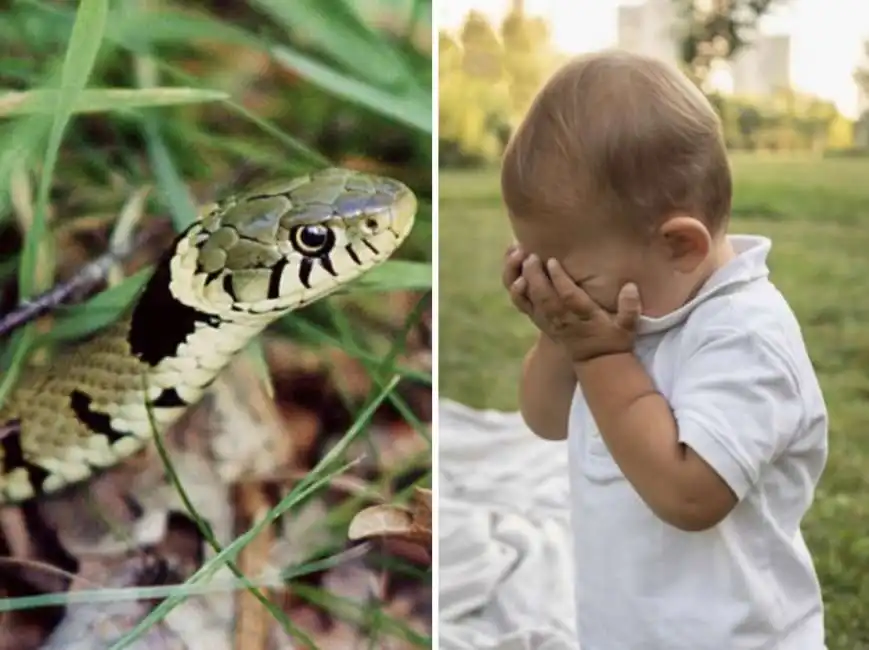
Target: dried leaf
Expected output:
[380,520]
[397,523]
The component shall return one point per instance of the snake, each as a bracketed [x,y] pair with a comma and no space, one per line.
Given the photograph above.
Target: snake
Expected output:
[244,262]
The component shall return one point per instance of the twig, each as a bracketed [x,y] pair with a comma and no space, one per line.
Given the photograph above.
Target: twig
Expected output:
[87,277]
[122,244]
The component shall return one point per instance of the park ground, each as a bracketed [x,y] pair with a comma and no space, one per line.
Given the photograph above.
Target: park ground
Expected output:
[816,211]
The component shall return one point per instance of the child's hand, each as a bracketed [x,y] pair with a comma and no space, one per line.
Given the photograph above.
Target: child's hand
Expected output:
[568,315]
[517,286]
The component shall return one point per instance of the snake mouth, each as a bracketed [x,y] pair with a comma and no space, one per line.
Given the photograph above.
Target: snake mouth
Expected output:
[369,239]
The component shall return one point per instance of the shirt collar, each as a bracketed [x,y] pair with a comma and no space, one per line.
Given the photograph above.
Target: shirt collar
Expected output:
[748,264]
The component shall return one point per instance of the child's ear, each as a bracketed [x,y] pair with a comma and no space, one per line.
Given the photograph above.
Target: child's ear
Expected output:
[686,242]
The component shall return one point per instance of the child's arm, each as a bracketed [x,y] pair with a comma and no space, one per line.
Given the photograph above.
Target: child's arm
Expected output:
[546,389]
[638,427]
[734,405]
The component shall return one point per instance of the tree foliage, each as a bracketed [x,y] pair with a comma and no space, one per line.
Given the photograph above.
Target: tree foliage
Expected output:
[527,59]
[489,75]
[861,78]
[784,121]
[861,74]
[717,29]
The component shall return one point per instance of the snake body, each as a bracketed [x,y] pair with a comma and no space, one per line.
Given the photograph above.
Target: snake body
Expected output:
[245,262]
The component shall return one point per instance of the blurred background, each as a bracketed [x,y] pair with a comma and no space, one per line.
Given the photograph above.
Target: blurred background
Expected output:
[790,79]
[189,99]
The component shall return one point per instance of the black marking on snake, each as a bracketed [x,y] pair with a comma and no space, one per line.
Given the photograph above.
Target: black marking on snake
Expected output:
[305,271]
[13,456]
[227,286]
[211,277]
[326,262]
[160,323]
[353,255]
[275,278]
[93,420]
[169,398]
[370,247]
[261,197]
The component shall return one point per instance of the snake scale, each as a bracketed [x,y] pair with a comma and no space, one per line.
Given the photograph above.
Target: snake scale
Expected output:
[244,262]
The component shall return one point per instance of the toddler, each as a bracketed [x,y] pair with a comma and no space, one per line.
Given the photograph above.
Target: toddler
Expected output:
[672,366]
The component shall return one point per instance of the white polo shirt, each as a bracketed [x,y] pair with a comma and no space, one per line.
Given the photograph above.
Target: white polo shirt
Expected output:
[734,368]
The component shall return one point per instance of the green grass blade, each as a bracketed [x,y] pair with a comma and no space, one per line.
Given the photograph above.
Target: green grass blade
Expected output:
[413,110]
[102,100]
[335,28]
[113,595]
[294,326]
[388,365]
[175,193]
[412,107]
[303,151]
[103,309]
[319,477]
[211,539]
[19,146]
[345,609]
[140,31]
[81,55]
[21,343]
[395,275]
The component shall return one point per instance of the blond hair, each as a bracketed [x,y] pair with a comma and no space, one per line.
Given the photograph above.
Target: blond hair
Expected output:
[621,138]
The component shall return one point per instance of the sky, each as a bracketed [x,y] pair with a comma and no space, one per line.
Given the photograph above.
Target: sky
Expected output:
[826,35]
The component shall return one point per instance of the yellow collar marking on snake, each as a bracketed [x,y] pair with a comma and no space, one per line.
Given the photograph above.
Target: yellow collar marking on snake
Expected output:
[244,263]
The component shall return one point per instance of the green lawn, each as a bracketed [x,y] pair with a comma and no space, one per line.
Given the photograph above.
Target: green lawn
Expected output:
[817,214]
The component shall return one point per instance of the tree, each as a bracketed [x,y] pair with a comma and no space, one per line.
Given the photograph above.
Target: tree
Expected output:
[483,54]
[717,29]
[749,121]
[861,74]
[817,118]
[472,92]
[527,59]
[861,130]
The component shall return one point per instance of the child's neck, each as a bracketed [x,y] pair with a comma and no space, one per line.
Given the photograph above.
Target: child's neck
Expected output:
[682,292]
[721,253]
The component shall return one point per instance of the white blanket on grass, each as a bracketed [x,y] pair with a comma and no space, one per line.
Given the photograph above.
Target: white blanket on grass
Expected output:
[505,565]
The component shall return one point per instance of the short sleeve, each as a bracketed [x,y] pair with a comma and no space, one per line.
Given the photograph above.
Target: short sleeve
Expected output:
[737,402]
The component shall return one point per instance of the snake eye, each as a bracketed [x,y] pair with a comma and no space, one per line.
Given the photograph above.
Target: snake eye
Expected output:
[313,239]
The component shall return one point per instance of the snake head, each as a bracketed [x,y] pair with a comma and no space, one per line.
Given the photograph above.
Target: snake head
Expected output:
[286,243]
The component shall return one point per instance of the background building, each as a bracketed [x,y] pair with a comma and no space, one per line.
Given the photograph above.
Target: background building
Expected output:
[763,66]
[863,88]
[649,29]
